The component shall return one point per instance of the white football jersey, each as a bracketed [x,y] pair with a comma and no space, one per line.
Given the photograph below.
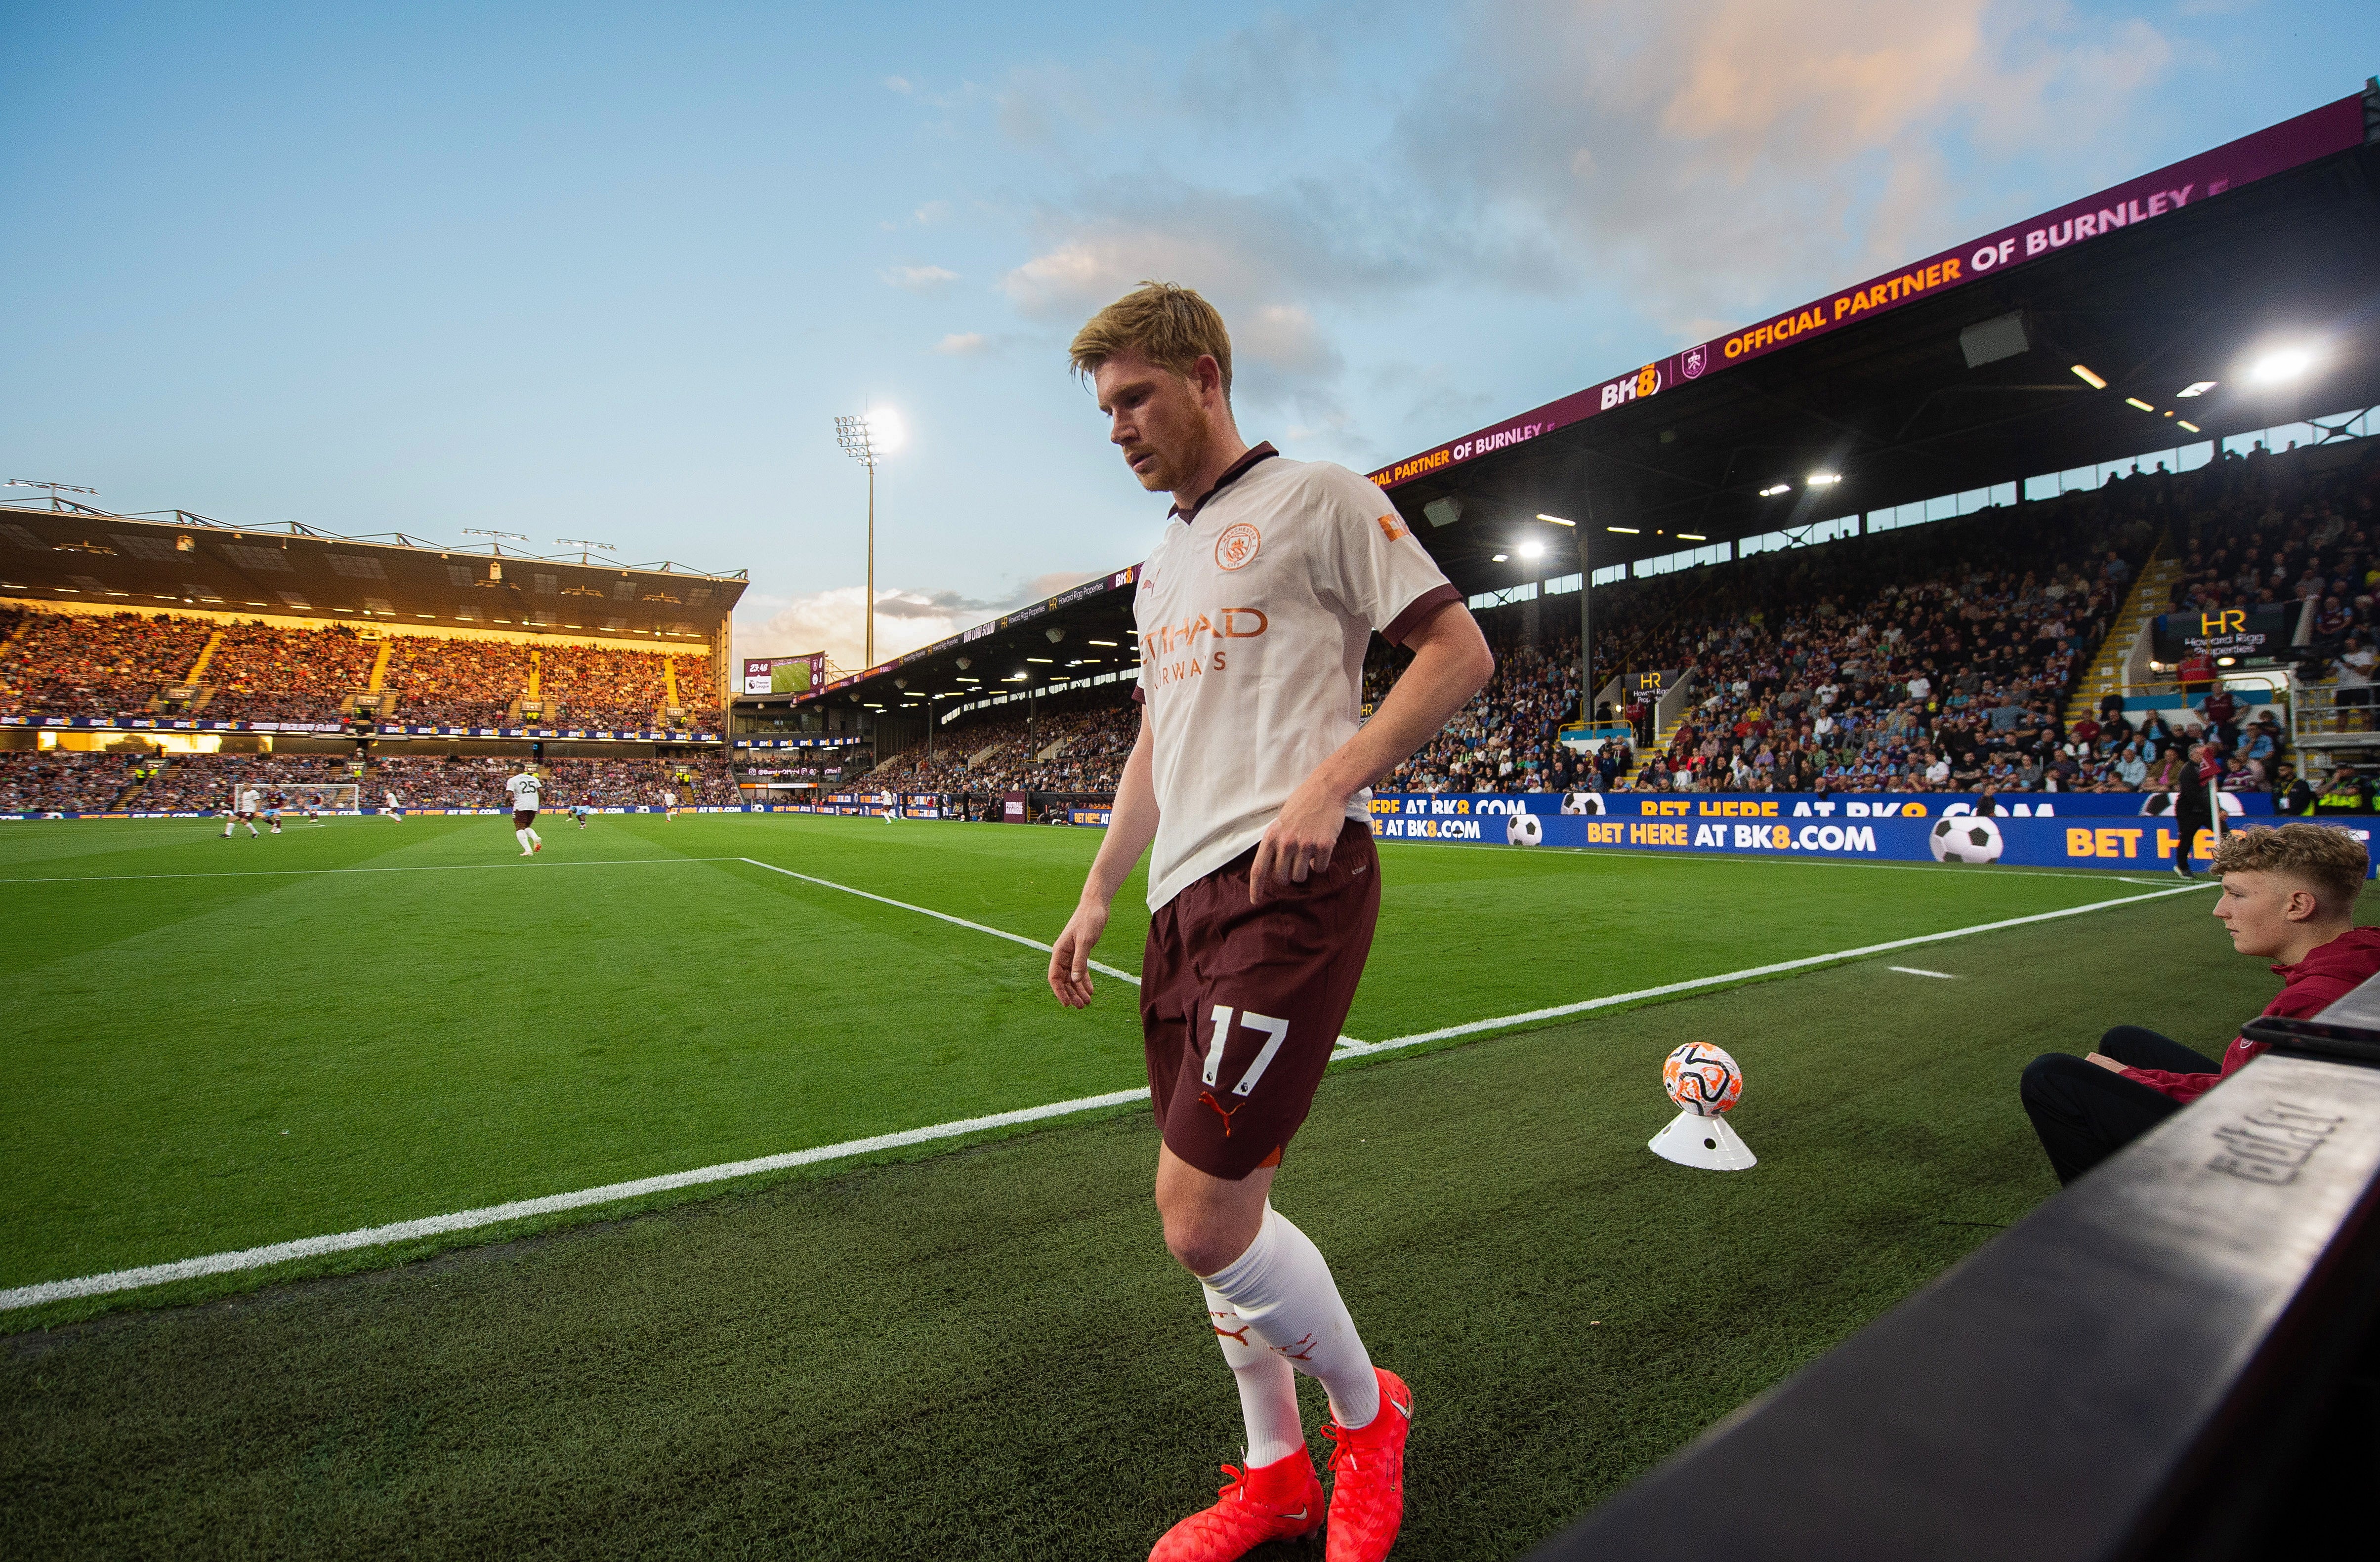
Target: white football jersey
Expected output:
[1255,612]
[525,789]
[251,800]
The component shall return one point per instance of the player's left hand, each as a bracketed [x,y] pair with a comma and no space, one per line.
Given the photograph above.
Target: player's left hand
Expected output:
[1299,840]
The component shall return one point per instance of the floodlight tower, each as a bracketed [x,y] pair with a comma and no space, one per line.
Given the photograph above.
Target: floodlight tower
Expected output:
[866,438]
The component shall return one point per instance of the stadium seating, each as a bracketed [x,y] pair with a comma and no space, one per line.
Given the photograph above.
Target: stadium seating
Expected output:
[119,664]
[1070,749]
[78,664]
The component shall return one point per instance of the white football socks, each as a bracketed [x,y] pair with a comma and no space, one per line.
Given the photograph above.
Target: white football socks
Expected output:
[521,836]
[1268,1385]
[1283,1290]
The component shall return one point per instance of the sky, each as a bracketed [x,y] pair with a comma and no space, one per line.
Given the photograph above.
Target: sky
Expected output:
[610,273]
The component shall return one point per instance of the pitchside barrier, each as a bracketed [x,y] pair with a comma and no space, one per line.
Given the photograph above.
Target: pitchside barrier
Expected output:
[2110,829]
[2173,1357]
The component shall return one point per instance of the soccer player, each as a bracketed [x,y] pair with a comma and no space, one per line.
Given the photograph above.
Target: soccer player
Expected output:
[395,810]
[246,801]
[525,789]
[1249,777]
[669,806]
[891,807]
[275,802]
[578,812]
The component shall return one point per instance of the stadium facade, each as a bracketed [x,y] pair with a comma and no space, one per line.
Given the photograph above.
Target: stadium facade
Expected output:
[1942,388]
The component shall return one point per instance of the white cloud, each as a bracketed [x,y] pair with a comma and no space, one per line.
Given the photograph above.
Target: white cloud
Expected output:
[1699,161]
[900,84]
[921,279]
[833,619]
[964,343]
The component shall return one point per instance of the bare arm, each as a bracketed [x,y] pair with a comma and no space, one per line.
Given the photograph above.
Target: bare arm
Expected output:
[1451,662]
[1131,827]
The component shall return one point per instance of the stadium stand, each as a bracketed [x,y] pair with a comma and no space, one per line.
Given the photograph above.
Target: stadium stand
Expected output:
[77,664]
[261,674]
[81,664]
[1079,750]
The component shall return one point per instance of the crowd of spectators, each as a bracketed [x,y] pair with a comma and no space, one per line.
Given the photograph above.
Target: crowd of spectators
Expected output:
[120,664]
[1079,748]
[479,781]
[263,673]
[38,781]
[56,781]
[90,664]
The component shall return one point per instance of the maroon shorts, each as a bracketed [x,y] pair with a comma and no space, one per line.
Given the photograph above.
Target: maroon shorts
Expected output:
[523,818]
[1241,1004]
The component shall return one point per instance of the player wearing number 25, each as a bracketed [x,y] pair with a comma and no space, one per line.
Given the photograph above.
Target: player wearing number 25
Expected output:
[1249,786]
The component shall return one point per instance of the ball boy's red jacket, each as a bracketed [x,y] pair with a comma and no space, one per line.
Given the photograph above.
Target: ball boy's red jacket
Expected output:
[2312,985]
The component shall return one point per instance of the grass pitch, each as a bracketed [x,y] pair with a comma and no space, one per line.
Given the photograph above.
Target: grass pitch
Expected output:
[981,1351]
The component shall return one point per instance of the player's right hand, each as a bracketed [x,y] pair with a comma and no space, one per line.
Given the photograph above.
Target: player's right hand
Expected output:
[1070,957]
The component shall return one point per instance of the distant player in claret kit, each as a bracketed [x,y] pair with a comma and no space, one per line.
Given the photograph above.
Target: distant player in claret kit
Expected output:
[246,801]
[275,802]
[1249,776]
[525,789]
[307,799]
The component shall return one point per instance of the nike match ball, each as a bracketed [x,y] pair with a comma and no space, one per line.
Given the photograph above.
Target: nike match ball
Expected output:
[1522,829]
[1702,1079]
[1582,803]
[1966,838]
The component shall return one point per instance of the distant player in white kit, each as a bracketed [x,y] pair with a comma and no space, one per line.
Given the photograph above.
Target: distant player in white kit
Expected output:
[247,800]
[891,807]
[669,806]
[525,789]
[1254,609]
[395,810]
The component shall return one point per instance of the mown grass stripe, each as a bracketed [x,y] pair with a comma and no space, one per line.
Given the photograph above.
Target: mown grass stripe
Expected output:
[470,1220]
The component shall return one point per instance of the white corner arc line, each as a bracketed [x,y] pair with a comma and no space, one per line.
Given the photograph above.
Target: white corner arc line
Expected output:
[463,1220]
[523,1209]
[928,911]
[1916,971]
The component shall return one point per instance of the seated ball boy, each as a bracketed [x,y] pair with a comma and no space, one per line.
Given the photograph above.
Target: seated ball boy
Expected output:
[2289,896]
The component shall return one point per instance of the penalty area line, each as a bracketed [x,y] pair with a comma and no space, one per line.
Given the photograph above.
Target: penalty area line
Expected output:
[521,1209]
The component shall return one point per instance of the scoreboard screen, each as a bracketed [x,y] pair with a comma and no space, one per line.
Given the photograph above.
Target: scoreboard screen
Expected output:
[784,674]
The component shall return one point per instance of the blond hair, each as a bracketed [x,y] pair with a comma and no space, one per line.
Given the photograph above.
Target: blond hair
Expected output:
[2331,860]
[1170,324]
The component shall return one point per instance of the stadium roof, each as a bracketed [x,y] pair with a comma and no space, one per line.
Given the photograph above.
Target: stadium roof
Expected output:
[74,554]
[1956,373]
[1950,375]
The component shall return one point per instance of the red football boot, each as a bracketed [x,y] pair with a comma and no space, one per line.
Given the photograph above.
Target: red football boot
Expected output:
[1272,1502]
[1367,1467]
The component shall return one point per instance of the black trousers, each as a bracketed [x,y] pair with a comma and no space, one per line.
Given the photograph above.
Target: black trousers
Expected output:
[2188,818]
[2084,1113]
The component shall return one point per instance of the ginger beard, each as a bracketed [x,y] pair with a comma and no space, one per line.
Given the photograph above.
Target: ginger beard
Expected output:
[1159,418]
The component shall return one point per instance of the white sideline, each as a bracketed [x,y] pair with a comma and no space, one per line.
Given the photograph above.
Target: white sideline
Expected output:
[937,915]
[312,872]
[1917,971]
[468,1219]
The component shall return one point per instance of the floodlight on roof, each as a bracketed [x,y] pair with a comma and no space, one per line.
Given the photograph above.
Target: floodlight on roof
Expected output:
[1533,550]
[2135,401]
[2189,425]
[2286,363]
[1822,479]
[2197,388]
[1773,490]
[1624,531]
[1692,537]
[2089,379]
[1499,558]
[1556,520]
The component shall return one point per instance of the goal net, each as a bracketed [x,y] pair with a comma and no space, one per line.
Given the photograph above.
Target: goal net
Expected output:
[323,797]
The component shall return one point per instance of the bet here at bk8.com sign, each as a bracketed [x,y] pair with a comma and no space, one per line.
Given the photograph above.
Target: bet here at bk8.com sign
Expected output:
[2115,831]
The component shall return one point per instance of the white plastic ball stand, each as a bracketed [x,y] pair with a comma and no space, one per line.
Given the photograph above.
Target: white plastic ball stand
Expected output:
[1708,1143]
